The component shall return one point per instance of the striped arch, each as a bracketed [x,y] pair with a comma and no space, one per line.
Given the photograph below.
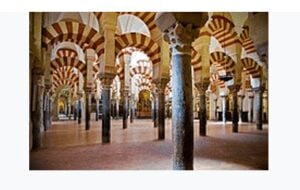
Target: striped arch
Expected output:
[68,61]
[223,30]
[196,60]
[147,17]
[221,62]
[247,42]
[98,15]
[214,80]
[251,67]
[66,52]
[64,76]
[143,81]
[145,87]
[139,41]
[144,68]
[121,60]
[81,34]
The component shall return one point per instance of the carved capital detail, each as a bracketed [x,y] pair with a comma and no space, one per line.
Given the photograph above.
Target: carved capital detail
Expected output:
[234,88]
[180,38]
[106,79]
[202,87]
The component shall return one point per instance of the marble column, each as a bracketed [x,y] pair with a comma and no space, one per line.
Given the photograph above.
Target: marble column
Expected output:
[180,39]
[202,87]
[88,108]
[125,108]
[224,108]
[117,108]
[37,106]
[75,110]
[216,109]
[97,109]
[241,106]
[131,109]
[251,107]
[47,107]
[258,107]
[79,108]
[161,108]
[106,81]
[235,113]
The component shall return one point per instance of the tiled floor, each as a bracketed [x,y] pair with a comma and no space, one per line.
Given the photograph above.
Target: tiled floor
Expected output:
[68,146]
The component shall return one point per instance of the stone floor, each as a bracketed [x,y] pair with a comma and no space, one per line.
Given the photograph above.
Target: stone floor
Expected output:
[67,146]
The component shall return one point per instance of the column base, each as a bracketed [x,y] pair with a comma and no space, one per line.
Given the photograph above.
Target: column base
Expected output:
[235,127]
[259,127]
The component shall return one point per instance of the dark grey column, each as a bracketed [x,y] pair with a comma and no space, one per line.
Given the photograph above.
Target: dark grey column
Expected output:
[161,108]
[97,109]
[258,107]
[46,108]
[75,110]
[131,109]
[202,87]
[106,81]
[241,106]
[180,36]
[251,108]
[37,106]
[79,110]
[154,111]
[87,108]
[235,113]
[216,109]
[117,108]
[180,39]
[125,108]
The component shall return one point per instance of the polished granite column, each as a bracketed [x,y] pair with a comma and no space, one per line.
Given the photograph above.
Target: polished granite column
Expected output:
[202,87]
[258,107]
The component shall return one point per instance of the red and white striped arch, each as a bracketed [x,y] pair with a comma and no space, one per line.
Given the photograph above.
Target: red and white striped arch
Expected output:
[144,68]
[138,41]
[147,17]
[68,61]
[251,67]
[214,80]
[64,76]
[78,33]
[196,60]
[223,30]
[247,42]
[66,52]
[223,62]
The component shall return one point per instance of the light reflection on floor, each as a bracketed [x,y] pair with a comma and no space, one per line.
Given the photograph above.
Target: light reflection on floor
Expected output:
[68,146]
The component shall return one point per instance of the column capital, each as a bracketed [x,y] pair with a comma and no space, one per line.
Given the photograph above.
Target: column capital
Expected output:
[180,38]
[258,89]
[202,86]
[234,88]
[88,89]
[106,79]
[38,71]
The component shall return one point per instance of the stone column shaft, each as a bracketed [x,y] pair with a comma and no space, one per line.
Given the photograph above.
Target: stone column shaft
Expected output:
[97,109]
[79,111]
[161,109]
[258,108]
[235,113]
[125,109]
[47,112]
[202,87]
[37,108]
[224,108]
[87,109]
[180,39]
[106,81]
[106,115]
